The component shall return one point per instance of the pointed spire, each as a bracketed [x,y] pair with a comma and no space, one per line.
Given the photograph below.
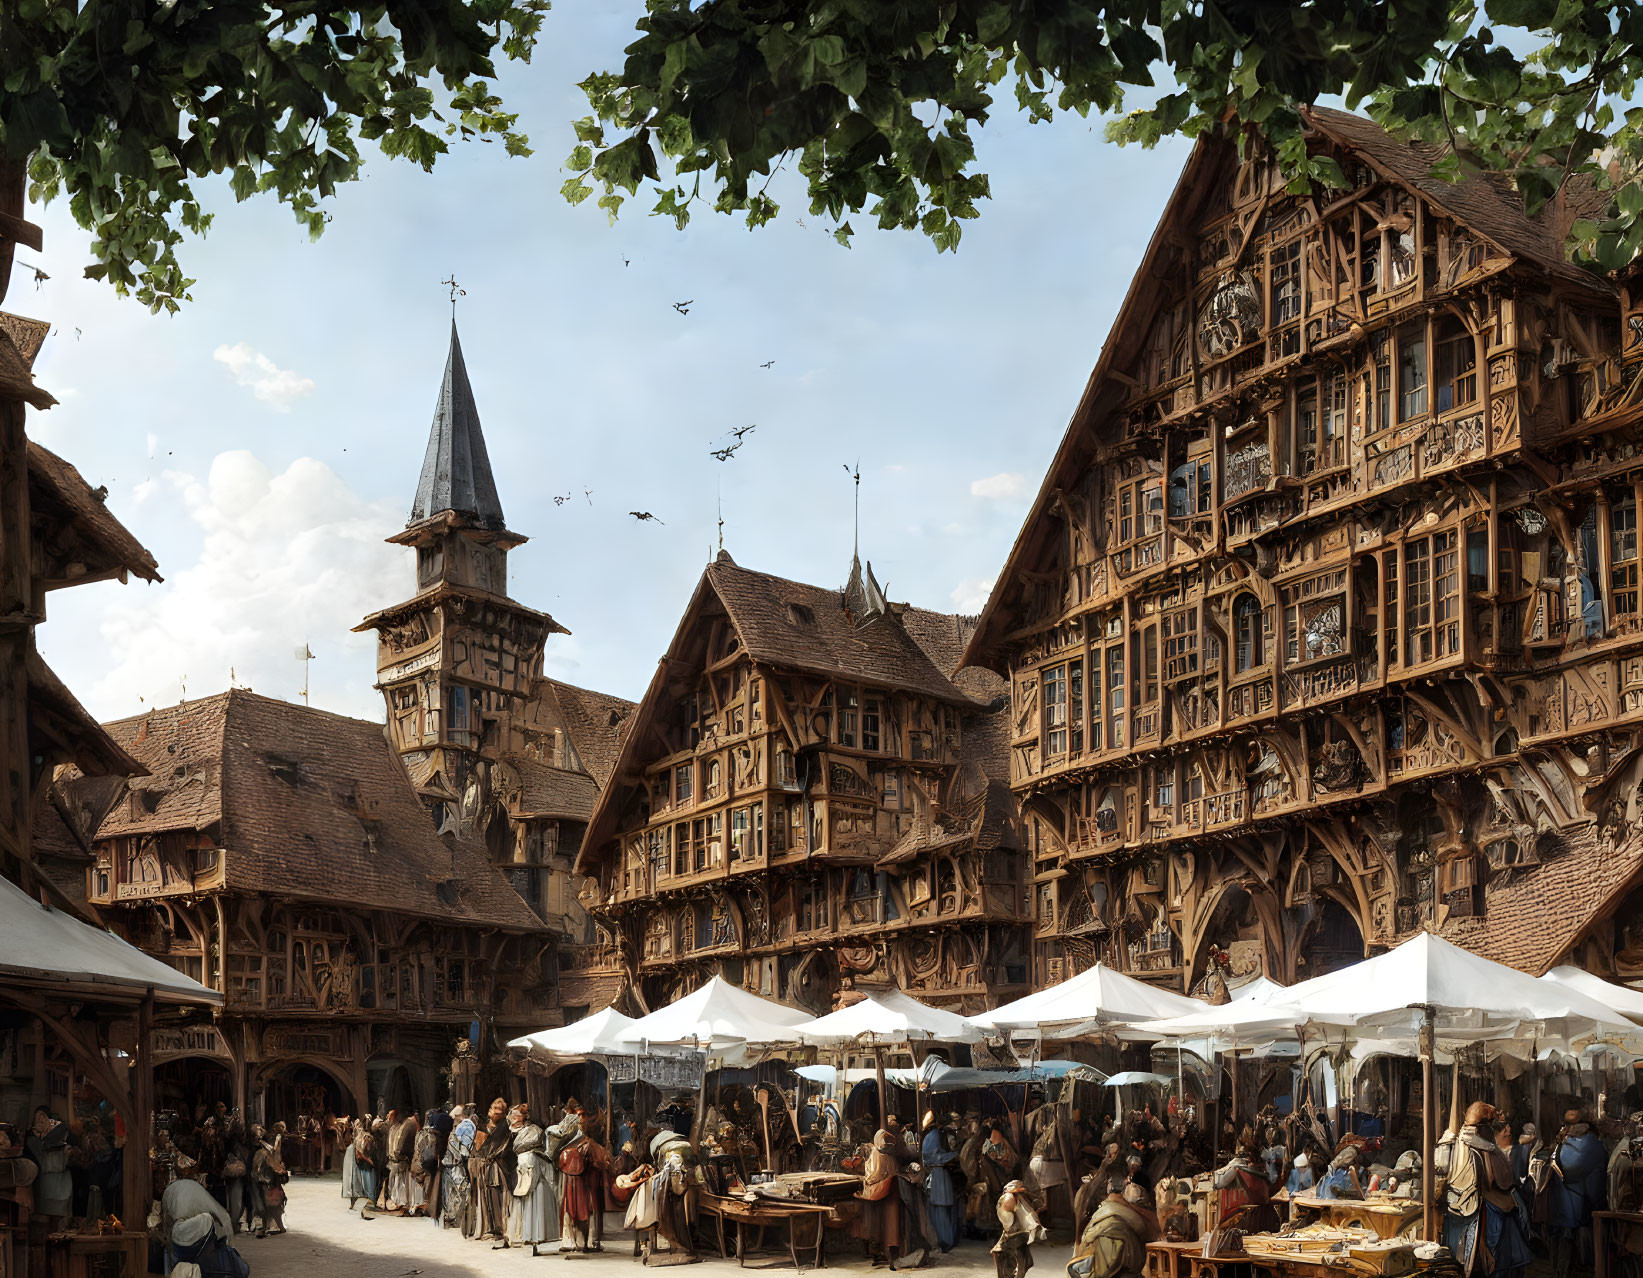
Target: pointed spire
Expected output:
[456,473]
[863,596]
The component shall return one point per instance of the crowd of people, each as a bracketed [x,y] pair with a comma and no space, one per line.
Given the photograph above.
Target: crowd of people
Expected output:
[506,1177]
[498,1176]
[76,1167]
[241,1166]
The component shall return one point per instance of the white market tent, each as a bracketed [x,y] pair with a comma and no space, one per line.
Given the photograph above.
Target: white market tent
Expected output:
[888,1018]
[717,1018]
[1621,998]
[1082,1004]
[1471,998]
[596,1035]
[44,947]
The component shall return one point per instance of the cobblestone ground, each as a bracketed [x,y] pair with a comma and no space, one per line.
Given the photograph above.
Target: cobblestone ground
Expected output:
[325,1240]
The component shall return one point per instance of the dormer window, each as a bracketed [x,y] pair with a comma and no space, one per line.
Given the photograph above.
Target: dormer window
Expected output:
[800,614]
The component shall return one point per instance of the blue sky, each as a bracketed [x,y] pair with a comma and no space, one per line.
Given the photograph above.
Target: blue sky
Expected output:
[264,441]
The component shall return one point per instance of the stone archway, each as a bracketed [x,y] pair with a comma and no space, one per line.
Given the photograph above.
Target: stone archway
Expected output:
[286,1083]
[1331,940]
[183,1082]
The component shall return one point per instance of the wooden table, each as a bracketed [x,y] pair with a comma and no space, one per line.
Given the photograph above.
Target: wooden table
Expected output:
[762,1214]
[1187,1260]
[115,1255]
[1385,1217]
[1600,1242]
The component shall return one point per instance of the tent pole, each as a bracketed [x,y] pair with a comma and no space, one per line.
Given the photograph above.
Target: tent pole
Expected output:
[701,1107]
[884,1100]
[1429,1120]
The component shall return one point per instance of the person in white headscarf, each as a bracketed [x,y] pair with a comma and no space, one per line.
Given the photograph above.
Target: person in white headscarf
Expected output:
[534,1218]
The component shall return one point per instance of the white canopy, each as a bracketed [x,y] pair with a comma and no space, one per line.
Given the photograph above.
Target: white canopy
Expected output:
[596,1035]
[1621,998]
[1099,996]
[892,1017]
[715,1018]
[48,947]
[1472,997]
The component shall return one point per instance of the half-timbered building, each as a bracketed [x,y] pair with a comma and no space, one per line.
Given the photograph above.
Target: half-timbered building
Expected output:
[811,798]
[1325,626]
[278,854]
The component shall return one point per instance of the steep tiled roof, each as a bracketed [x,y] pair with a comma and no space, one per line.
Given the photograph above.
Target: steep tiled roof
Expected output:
[1532,920]
[57,717]
[1477,201]
[57,490]
[596,722]
[788,623]
[305,804]
[16,381]
[532,788]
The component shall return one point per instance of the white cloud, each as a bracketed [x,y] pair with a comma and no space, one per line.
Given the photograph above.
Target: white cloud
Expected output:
[286,559]
[1004,486]
[268,382]
[970,595]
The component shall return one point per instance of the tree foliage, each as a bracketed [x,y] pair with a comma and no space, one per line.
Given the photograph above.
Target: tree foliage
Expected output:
[879,99]
[121,104]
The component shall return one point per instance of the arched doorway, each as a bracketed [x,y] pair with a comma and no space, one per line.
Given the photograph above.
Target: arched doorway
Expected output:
[391,1087]
[302,1089]
[192,1085]
[1332,941]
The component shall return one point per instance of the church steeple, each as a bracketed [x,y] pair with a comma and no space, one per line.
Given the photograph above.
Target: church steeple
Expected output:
[456,472]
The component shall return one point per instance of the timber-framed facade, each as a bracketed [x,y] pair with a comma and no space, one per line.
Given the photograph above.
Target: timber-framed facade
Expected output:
[1326,625]
[811,801]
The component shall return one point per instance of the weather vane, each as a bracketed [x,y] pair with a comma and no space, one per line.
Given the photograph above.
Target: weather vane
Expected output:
[855,474]
[456,291]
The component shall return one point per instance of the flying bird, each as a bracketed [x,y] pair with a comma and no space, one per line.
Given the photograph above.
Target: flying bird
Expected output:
[769,363]
[588,493]
[742,431]
[560,501]
[725,453]
[644,515]
[684,307]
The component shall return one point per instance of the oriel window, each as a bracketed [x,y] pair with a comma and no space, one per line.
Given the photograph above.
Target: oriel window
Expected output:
[1623,551]
[1055,711]
[1411,373]
[1455,359]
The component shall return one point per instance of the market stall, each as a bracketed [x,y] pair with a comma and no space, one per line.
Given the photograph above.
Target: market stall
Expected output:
[77,1011]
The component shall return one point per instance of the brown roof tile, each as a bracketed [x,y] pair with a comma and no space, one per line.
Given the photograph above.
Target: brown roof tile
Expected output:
[16,381]
[1482,202]
[57,488]
[788,623]
[531,788]
[1530,921]
[596,722]
[305,804]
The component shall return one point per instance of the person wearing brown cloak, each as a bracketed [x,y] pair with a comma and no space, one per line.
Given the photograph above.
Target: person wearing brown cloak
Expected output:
[881,1221]
[495,1165]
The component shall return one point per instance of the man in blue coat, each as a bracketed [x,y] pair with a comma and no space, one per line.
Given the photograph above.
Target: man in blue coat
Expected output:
[1576,1190]
[938,1184]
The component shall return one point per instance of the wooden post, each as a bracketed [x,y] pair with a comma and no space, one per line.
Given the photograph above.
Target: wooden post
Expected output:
[137,1179]
[1429,1122]
[701,1109]
[884,1102]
